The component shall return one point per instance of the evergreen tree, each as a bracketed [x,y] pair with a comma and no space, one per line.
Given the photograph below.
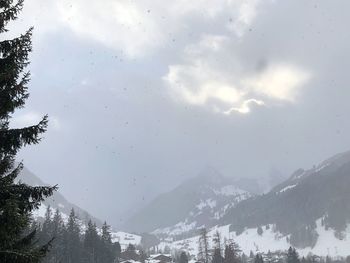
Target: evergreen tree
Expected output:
[130,253]
[166,250]
[217,241]
[258,259]
[244,258]
[71,238]
[47,229]
[117,251]
[91,243]
[57,231]
[292,256]
[143,255]
[17,200]
[107,253]
[231,253]
[260,231]
[204,255]
[183,257]
[217,257]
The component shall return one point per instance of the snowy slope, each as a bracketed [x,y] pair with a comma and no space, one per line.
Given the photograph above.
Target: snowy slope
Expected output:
[125,239]
[207,209]
[270,240]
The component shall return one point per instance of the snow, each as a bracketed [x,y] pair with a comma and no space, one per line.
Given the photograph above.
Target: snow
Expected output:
[229,190]
[219,214]
[250,240]
[177,229]
[328,244]
[298,176]
[130,261]
[287,188]
[190,245]
[321,167]
[40,212]
[125,239]
[207,203]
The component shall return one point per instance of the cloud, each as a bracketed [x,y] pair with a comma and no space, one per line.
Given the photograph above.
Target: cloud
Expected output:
[244,107]
[137,28]
[207,78]
[197,84]
[116,24]
[247,11]
[281,82]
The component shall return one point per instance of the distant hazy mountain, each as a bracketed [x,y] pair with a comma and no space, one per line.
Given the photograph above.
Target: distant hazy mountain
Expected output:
[199,201]
[57,201]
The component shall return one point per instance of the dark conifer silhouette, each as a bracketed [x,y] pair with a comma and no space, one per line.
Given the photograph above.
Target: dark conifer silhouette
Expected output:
[17,200]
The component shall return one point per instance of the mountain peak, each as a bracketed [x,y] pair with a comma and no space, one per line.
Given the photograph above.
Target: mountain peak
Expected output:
[211,176]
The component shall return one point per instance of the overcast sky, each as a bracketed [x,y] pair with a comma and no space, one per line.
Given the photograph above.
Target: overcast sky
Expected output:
[144,94]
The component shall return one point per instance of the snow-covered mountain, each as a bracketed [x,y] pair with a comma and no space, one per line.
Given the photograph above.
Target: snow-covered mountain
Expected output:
[198,202]
[295,205]
[310,210]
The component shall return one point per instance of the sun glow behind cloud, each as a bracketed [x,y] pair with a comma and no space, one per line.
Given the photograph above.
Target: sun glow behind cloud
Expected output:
[281,82]
[228,89]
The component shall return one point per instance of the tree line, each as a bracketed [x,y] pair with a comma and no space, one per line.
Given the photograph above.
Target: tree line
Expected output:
[229,252]
[74,241]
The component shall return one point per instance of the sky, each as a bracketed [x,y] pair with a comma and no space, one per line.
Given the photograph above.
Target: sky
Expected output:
[142,95]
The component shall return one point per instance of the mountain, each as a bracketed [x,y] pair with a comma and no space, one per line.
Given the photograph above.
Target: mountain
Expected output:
[295,205]
[58,201]
[310,210]
[198,202]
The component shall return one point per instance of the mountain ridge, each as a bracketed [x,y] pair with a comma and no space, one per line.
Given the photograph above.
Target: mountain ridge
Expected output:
[199,199]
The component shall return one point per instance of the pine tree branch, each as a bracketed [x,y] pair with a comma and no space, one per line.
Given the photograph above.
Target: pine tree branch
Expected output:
[10,12]
[12,140]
